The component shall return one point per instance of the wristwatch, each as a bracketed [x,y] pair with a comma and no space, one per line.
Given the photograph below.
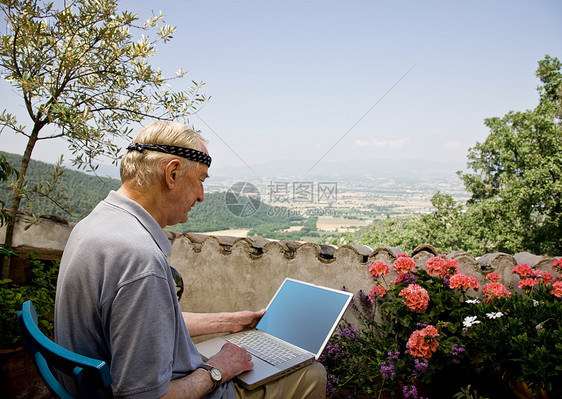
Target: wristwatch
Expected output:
[214,373]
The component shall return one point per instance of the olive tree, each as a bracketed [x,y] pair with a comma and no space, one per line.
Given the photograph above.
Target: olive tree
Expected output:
[82,71]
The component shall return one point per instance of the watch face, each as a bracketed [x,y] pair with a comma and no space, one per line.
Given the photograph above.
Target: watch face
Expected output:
[216,374]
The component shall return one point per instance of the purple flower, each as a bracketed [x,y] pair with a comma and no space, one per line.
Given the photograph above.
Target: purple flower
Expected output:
[331,386]
[410,392]
[349,331]
[364,298]
[334,349]
[421,365]
[387,370]
[457,350]
[393,355]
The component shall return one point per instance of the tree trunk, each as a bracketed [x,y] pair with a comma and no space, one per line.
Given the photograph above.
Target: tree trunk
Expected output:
[17,197]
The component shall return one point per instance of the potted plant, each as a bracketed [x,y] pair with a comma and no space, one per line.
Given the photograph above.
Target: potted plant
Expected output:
[17,373]
[517,332]
[410,340]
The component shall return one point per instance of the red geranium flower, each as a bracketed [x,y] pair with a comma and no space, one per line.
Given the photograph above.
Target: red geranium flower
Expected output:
[404,264]
[557,265]
[493,277]
[557,289]
[378,269]
[495,290]
[422,343]
[523,270]
[377,291]
[464,281]
[415,297]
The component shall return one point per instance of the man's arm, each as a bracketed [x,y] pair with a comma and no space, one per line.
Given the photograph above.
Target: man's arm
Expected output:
[231,361]
[224,322]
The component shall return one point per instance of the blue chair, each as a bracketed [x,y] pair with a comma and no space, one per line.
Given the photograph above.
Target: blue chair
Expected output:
[90,376]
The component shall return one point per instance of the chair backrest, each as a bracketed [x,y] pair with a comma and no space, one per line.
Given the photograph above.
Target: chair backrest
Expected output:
[90,376]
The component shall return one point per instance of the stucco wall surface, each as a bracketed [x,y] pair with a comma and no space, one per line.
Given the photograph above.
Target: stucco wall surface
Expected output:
[226,273]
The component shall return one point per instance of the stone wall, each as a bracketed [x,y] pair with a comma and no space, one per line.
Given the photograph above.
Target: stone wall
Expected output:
[45,240]
[228,273]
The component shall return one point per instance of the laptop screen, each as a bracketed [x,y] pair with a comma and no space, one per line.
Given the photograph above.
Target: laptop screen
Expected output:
[304,315]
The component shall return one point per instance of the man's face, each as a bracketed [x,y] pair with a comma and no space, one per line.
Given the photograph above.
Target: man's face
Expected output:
[188,191]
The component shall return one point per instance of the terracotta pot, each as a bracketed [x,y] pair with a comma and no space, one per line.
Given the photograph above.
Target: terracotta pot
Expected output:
[522,391]
[18,376]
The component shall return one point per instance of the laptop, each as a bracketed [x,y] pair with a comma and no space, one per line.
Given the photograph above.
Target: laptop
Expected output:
[300,318]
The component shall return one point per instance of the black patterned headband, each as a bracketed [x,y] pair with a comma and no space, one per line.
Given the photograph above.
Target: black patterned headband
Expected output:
[188,153]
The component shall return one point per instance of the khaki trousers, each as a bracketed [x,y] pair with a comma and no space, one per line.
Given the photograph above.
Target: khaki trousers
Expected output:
[308,382]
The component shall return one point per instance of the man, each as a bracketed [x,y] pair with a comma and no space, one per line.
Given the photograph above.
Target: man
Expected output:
[116,297]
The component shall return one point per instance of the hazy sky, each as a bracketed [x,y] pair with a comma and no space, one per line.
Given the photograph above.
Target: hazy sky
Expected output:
[290,79]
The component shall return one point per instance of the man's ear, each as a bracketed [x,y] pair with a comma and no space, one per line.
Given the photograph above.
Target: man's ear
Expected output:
[172,173]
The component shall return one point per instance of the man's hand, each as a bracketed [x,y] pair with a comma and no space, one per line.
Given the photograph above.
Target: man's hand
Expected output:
[231,360]
[245,319]
[225,322]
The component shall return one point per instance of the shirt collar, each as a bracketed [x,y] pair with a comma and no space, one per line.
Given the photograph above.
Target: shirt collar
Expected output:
[144,218]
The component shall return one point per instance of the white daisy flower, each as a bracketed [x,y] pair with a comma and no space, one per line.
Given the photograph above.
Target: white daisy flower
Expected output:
[470,321]
[494,315]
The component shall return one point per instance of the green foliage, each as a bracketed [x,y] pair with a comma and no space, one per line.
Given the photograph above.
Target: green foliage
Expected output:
[468,393]
[533,323]
[517,177]
[82,191]
[440,228]
[41,290]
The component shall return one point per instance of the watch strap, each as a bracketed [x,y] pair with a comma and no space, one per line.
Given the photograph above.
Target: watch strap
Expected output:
[208,368]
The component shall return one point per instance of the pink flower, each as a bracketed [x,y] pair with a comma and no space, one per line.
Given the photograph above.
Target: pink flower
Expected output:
[464,281]
[452,267]
[557,265]
[493,277]
[439,266]
[531,277]
[415,297]
[436,265]
[404,264]
[543,277]
[422,343]
[557,289]
[494,290]
[377,291]
[523,270]
[527,283]
[378,269]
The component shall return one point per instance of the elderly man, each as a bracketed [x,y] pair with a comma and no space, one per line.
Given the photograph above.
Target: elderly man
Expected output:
[116,297]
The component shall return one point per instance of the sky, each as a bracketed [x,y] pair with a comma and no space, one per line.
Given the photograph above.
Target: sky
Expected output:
[331,81]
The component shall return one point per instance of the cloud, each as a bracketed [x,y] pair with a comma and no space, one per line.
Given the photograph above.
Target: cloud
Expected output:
[397,143]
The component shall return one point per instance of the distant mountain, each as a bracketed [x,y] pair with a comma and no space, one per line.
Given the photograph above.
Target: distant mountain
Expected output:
[394,169]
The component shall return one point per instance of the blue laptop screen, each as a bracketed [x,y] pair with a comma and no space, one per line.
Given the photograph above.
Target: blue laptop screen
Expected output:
[304,315]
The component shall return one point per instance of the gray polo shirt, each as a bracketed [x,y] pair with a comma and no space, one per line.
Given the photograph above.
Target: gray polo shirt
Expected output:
[116,301]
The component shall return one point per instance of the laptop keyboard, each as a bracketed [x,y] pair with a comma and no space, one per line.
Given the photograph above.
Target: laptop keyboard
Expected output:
[264,347]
